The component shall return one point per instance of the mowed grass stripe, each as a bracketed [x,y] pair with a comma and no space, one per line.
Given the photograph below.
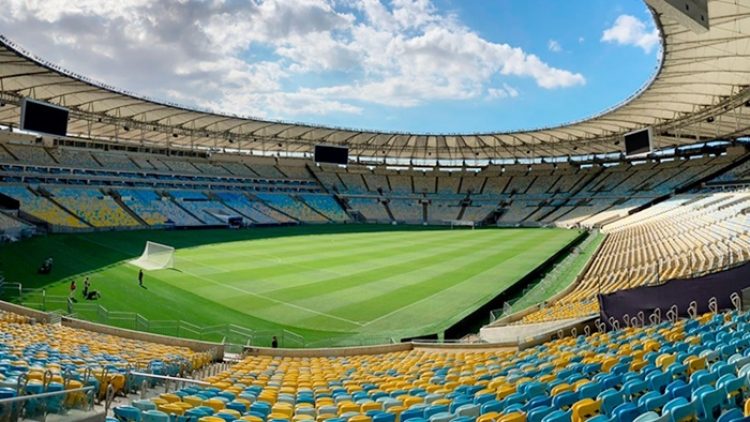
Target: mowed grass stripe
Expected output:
[451,301]
[321,267]
[316,257]
[292,246]
[403,260]
[408,276]
[400,281]
[466,265]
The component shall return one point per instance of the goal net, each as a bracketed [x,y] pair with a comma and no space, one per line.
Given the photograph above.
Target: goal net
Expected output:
[155,257]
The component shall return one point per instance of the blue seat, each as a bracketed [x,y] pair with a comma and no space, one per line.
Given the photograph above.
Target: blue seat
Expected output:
[709,403]
[433,410]
[127,413]
[678,388]
[538,413]
[657,381]
[565,400]
[634,389]
[679,409]
[412,414]
[652,401]
[626,412]
[610,399]
[155,416]
[557,416]
[733,415]
[491,406]
[733,389]
[384,417]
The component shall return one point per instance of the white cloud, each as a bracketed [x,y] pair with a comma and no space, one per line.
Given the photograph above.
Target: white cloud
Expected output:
[277,58]
[629,30]
[506,91]
[554,46]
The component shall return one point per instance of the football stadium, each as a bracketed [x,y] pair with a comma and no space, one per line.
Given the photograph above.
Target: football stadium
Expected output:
[170,263]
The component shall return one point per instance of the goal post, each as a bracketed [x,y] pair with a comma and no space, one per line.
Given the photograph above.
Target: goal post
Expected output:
[155,256]
[462,223]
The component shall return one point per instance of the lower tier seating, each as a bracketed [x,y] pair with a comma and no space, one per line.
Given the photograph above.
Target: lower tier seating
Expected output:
[682,237]
[694,369]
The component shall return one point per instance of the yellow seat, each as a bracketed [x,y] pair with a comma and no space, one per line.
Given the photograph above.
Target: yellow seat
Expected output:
[171,408]
[360,418]
[231,412]
[169,397]
[585,409]
[214,404]
[282,416]
[211,419]
[513,417]
[488,417]
[251,418]
[365,407]
[195,401]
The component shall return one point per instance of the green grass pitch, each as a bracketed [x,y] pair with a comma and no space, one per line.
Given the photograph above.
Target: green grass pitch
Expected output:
[326,283]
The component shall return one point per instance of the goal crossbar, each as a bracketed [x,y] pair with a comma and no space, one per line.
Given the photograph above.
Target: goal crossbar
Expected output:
[155,256]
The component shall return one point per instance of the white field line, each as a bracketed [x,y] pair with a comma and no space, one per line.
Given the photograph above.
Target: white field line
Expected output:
[229,286]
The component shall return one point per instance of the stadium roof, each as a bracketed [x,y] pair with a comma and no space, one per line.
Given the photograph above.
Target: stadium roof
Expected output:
[698,93]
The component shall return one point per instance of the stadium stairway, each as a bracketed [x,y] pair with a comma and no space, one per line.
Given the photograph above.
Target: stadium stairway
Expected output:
[388,211]
[179,205]
[301,199]
[118,199]
[276,209]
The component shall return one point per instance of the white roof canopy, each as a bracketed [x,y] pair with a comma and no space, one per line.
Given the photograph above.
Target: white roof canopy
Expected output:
[698,93]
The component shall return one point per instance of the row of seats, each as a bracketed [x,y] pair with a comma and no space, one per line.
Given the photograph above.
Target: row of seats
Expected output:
[693,369]
[686,235]
[38,358]
[92,206]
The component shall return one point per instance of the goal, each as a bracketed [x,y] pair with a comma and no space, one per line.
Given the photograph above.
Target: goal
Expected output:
[155,257]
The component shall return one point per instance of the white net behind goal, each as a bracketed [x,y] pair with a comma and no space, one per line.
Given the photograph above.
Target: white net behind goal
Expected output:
[155,257]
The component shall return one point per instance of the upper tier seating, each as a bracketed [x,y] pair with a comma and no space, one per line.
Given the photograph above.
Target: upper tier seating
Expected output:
[93,206]
[40,207]
[292,207]
[354,182]
[443,210]
[156,210]
[198,204]
[249,209]
[678,238]
[478,210]
[688,370]
[31,154]
[371,208]
[406,210]
[295,172]
[326,205]
[74,158]
[117,161]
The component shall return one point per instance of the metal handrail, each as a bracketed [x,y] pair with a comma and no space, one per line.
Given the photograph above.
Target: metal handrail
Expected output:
[168,378]
[43,395]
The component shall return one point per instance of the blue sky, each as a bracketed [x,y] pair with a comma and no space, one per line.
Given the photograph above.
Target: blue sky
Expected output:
[396,65]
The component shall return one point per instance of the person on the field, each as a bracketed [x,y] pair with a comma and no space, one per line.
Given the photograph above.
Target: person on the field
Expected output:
[72,288]
[93,295]
[140,278]
[86,286]
[274,342]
